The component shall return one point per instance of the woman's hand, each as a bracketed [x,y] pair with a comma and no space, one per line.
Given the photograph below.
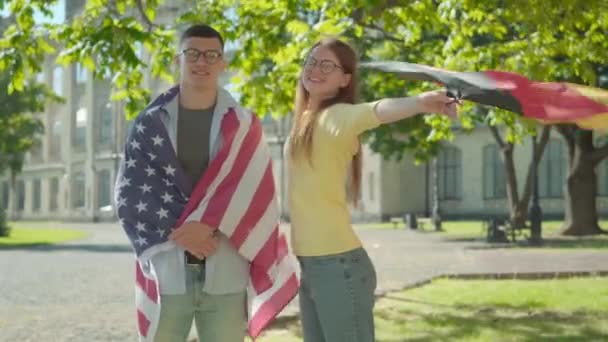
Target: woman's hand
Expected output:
[438,102]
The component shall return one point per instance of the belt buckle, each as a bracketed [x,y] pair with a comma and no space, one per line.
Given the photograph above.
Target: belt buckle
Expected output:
[192,260]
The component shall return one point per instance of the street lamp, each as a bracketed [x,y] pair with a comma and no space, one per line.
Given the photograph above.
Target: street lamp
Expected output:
[280,138]
[536,214]
[436,213]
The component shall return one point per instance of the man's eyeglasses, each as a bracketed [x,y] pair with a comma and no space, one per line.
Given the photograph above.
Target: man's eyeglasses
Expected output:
[325,65]
[209,56]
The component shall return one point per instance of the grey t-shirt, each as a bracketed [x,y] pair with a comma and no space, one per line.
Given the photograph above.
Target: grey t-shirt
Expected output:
[193,129]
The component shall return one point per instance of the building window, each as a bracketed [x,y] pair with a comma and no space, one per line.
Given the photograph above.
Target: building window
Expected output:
[5,195]
[105,126]
[58,80]
[78,190]
[450,173]
[20,195]
[81,110]
[372,186]
[37,196]
[552,170]
[80,131]
[104,188]
[54,194]
[36,154]
[41,78]
[494,180]
[56,128]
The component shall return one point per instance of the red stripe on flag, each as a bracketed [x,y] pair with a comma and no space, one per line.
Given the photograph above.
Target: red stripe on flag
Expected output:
[547,100]
[271,308]
[147,285]
[262,198]
[218,204]
[273,251]
[143,323]
[230,125]
[260,279]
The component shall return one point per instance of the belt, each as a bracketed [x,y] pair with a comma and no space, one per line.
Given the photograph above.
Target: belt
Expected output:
[192,260]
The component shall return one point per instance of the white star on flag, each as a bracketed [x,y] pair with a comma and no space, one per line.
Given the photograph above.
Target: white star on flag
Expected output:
[169,170]
[162,213]
[131,163]
[167,198]
[141,226]
[122,202]
[150,171]
[125,182]
[140,128]
[141,241]
[135,144]
[145,188]
[158,141]
[141,206]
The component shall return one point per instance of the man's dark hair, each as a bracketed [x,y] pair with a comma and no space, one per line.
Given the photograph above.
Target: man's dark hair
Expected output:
[202,31]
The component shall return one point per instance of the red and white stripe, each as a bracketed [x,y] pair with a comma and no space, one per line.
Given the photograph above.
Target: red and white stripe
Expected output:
[147,299]
[237,195]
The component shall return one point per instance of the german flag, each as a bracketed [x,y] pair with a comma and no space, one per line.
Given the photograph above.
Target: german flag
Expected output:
[545,102]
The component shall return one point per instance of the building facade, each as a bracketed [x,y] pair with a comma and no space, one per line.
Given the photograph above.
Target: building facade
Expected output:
[71,174]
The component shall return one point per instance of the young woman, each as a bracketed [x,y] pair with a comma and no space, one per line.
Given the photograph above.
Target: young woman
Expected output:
[338,278]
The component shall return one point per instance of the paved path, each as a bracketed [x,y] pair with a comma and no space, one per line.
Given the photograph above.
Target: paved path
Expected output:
[83,291]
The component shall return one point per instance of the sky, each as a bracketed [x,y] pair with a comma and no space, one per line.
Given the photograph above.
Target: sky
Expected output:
[58,9]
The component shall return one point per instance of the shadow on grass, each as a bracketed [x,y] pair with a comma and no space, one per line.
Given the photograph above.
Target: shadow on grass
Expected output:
[441,322]
[531,304]
[514,323]
[547,243]
[51,247]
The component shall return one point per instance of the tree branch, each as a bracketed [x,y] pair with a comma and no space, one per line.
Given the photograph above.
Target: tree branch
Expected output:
[385,35]
[539,147]
[358,16]
[111,6]
[142,11]
[599,154]
[496,134]
[542,143]
[567,131]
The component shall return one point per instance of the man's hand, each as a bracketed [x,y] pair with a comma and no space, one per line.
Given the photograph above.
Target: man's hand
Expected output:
[195,237]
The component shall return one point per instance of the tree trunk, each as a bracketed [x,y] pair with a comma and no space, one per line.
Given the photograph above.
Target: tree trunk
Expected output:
[581,186]
[518,206]
[517,216]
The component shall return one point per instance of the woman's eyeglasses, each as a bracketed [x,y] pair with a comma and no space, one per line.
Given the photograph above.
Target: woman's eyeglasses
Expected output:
[326,66]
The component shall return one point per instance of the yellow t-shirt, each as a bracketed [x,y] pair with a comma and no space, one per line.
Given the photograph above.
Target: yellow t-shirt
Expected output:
[320,218]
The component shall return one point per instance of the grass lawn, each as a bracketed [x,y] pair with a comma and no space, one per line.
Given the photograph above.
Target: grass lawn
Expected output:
[22,235]
[376,225]
[487,310]
[472,230]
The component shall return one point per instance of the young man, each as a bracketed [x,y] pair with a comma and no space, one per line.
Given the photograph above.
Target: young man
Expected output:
[198,209]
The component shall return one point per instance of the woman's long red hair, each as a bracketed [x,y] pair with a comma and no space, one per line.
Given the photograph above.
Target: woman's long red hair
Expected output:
[301,139]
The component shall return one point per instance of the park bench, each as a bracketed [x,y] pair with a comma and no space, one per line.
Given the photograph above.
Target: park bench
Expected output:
[396,220]
[421,222]
[500,229]
[424,221]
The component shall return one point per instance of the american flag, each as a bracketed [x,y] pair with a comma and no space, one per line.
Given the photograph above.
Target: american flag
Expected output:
[236,195]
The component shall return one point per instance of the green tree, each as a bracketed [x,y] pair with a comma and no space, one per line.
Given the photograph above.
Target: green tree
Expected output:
[20,128]
[548,41]
[544,40]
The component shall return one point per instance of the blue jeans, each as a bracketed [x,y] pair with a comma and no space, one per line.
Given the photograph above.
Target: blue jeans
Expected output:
[337,297]
[218,318]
